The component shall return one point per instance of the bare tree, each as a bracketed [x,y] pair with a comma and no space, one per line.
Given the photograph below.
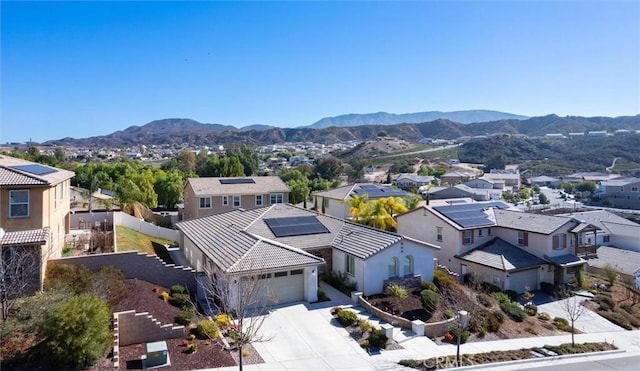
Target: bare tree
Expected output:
[19,267]
[246,300]
[574,309]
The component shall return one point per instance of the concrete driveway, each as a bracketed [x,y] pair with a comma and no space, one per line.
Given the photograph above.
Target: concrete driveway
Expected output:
[589,322]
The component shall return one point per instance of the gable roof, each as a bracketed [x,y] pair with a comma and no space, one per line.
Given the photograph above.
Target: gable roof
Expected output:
[536,223]
[470,215]
[19,172]
[239,239]
[500,254]
[214,186]
[627,262]
[606,221]
[373,191]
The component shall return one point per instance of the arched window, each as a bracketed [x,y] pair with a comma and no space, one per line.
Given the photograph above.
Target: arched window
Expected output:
[393,267]
[408,265]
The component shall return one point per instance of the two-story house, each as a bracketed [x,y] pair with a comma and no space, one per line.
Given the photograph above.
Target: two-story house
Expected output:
[621,193]
[34,214]
[335,201]
[412,181]
[511,249]
[213,195]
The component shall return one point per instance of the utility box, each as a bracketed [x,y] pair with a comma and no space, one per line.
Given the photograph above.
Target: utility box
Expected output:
[157,354]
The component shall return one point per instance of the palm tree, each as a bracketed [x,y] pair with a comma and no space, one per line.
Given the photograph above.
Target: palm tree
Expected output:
[358,207]
[380,217]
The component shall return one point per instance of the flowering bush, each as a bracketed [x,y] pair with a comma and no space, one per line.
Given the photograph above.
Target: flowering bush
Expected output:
[448,337]
[164,296]
[156,289]
[335,311]
[192,348]
[223,321]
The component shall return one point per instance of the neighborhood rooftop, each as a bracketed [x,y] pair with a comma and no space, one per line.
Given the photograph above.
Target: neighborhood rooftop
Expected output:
[209,186]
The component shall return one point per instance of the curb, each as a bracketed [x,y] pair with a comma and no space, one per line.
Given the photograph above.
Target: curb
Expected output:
[536,360]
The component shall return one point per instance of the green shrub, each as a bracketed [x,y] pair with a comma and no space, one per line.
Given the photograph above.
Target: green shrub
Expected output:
[442,279]
[485,300]
[192,348]
[397,291]
[501,297]
[449,313]
[347,317]
[513,296]
[364,325]
[77,333]
[179,300]
[490,288]
[464,336]
[605,301]
[207,329]
[499,315]
[185,317]
[544,316]
[108,285]
[176,289]
[322,296]
[69,277]
[562,324]
[341,281]
[618,319]
[547,288]
[428,285]
[430,301]
[633,320]
[513,311]
[531,309]
[495,321]
[627,308]
[378,339]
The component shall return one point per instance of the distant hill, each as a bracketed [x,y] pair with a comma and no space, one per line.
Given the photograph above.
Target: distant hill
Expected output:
[180,131]
[384,118]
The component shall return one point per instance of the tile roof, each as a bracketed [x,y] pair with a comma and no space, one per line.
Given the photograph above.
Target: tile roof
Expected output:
[30,237]
[372,190]
[12,176]
[620,182]
[471,215]
[565,260]
[625,261]
[606,221]
[500,254]
[536,223]
[234,240]
[211,186]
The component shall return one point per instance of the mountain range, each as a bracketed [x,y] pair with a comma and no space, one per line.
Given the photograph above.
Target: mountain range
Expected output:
[191,132]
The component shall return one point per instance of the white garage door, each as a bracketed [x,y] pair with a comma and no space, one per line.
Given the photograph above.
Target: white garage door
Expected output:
[519,280]
[283,287]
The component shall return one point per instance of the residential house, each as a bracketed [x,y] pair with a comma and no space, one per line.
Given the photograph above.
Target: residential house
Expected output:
[213,195]
[34,212]
[511,178]
[511,249]
[627,263]
[544,181]
[486,183]
[289,246]
[408,182]
[463,191]
[335,201]
[613,231]
[456,177]
[621,193]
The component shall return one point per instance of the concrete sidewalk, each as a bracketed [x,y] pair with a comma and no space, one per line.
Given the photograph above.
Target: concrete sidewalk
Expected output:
[306,337]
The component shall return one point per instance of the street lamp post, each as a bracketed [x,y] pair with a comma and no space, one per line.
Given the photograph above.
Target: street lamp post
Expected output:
[464,322]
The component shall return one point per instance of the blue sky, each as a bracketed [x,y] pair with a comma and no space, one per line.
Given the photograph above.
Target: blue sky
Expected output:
[83,69]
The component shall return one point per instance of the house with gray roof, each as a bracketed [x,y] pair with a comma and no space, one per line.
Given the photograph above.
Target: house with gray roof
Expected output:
[214,195]
[621,193]
[412,181]
[509,248]
[612,230]
[626,262]
[34,214]
[335,202]
[289,247]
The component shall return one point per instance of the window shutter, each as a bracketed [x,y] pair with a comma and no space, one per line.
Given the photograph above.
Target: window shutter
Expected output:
[555,242]
[525,239]
[564,240]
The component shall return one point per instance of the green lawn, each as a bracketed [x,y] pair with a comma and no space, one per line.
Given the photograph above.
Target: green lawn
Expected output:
[129,240]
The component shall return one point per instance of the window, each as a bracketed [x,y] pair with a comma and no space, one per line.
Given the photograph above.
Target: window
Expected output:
[281,274]
[276,198]
[488,231]
[296,272]
[205,202]
[350,265]
[480,232]
[621,189]
[264,276]
[439,234]
[559,241]
[605,238]
[467,237]
[523,238]
[225,200]
[634,189]
[236,201]
[258,200]
[408,265]
[19,204]
[571,270]
[393,267]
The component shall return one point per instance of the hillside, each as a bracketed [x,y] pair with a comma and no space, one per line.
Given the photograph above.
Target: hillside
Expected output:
[384,118]
[180,131]
[556,157]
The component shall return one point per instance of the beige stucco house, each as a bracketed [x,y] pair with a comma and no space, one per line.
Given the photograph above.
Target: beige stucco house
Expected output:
[34,212]
[213,195]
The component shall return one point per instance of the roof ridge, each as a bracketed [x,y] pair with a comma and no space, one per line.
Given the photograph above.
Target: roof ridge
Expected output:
[241,257]
[282,245]
[259,217]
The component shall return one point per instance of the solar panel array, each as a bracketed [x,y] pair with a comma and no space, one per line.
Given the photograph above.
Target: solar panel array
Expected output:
[295,226]
[34,169]
[237,181]
[373,191]
[470,215]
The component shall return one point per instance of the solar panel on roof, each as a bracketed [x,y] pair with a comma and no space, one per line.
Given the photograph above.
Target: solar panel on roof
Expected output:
[237,181]
[295,226]
[34,169]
